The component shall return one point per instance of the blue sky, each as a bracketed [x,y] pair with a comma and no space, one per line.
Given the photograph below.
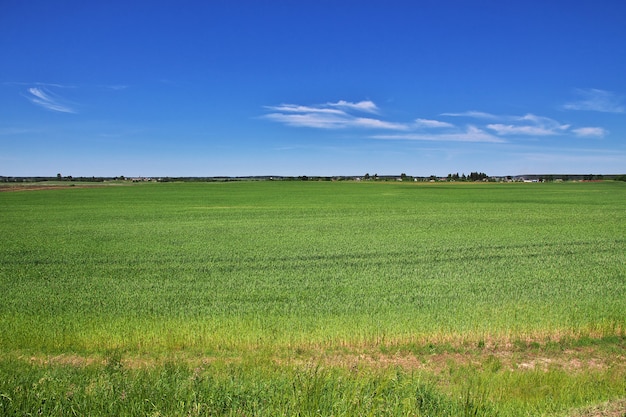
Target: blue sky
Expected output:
[235,88]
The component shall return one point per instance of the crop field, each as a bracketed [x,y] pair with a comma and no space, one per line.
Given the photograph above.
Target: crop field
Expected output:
[314,298]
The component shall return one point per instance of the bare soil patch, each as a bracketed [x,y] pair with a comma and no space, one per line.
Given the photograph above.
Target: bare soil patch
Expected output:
[505,357]
[579,360]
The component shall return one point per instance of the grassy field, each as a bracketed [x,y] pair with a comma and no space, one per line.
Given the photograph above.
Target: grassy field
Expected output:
[313,298]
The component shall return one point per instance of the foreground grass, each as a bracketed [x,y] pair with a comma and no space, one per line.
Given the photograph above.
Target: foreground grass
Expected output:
[471,382]
[177,389]
[277,298]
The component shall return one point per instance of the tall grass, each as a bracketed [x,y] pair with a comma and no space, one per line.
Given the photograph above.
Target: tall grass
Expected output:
[175,389]
[116,385]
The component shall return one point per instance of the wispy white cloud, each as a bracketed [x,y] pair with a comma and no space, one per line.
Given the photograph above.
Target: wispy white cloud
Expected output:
[530,125]
[310,119]
[502,129]
[592,99]
[590,132]
[487,127]
[428,123]
[296,108]
[364,106]
[339,115]
[377,124]
[44,98]
[470,134]
[39,84]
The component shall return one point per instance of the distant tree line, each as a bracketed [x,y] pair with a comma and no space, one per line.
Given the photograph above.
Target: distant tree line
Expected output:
[473,176]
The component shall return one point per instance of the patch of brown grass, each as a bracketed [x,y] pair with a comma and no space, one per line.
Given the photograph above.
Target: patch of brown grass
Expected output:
[579,360]
[491,355]
[609,409]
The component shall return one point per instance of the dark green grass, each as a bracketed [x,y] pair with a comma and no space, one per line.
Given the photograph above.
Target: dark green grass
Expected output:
[208,265]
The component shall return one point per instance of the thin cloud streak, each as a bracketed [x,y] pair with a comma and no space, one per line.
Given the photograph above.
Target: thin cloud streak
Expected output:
[325,120]
[435,124]
[311,119]
[590,132]
[364,106]
[295,108]
[501,129]
[527,125]
[531,125]
[471,134]
[331,116]
[592,99]
[39,84]
[378,124]
[45,99]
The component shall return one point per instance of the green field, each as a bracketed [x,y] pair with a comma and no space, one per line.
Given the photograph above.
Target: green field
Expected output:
[313,298]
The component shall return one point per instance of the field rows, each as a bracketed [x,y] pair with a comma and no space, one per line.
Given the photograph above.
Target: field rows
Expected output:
[401,267]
